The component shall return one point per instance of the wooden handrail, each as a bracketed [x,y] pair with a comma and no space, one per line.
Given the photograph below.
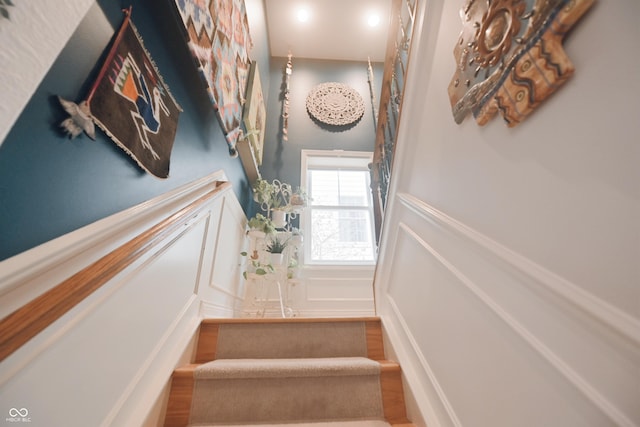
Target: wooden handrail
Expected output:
[32,318]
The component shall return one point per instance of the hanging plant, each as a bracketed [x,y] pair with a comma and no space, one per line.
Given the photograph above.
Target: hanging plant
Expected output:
[3,8]
[299,198]
[261,223]
[271,195]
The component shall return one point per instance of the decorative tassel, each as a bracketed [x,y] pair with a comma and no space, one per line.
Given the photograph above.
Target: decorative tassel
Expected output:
[285,108]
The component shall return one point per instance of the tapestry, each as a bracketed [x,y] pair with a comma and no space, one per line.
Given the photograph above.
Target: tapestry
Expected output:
[218,37]
[131,103]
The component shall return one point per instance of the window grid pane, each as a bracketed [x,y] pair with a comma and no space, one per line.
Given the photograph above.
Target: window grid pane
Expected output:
[341,235]
[339,188]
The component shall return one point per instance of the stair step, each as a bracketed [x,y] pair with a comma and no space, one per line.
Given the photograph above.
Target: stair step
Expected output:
[287,391]
[289,338]
[261,372]
[363,423]
[286,368]
[183,381]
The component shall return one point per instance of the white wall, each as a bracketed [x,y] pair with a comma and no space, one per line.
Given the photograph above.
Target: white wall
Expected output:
[339,291]
[509,279]
[108,361]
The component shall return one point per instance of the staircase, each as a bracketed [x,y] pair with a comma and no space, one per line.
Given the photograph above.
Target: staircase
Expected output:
[303,372]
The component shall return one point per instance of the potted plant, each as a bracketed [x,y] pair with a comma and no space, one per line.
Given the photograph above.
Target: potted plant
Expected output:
[279,217]
[276,249]
[260,226]
[271,195]
[299,199]
[263,193]
[255,266]
[273,198]
[279,205]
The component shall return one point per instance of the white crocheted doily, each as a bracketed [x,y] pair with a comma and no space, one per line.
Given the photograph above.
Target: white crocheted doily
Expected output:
[335,104]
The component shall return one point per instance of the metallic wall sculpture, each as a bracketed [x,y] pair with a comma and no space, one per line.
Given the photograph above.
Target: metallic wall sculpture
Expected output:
[509,56]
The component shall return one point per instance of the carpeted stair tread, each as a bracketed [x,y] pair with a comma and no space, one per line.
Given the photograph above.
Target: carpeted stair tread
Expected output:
[288,372]
[361,423]
[245,391]
[286,368]
[291,340]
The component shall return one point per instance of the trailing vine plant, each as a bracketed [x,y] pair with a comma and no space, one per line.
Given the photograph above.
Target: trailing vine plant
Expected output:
[3,8]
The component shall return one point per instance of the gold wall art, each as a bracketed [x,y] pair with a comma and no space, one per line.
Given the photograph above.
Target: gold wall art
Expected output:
[509,56]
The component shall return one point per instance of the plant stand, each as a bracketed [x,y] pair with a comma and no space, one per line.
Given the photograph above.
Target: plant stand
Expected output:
[265,275]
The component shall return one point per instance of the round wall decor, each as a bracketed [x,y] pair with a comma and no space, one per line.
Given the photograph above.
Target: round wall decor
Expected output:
[335,104]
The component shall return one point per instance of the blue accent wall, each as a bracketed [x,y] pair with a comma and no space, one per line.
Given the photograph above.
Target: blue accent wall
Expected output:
[281,159]
[50,185]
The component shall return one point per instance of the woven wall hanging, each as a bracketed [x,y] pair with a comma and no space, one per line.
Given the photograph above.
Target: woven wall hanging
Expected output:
[335,104]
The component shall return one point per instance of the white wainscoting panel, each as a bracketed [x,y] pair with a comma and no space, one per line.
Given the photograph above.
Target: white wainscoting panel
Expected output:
[227,277]
[339,291]
[508,282]
[477,322]
[327,291]
[107,361]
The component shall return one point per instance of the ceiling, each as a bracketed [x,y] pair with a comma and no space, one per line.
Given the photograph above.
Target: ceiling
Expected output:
[335,30]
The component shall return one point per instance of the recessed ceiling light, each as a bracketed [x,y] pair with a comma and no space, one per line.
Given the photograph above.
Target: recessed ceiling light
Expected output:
[303,14]
[373,20]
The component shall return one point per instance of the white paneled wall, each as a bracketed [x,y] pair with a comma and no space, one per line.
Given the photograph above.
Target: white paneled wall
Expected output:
[508,280]
[107,361]
[223,295]
[336,291]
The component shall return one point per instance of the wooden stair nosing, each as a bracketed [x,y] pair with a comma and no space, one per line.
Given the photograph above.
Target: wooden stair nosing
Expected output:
[392,393]
[180,396]
[207,342]
[208,334]
[239,320]
[375,344]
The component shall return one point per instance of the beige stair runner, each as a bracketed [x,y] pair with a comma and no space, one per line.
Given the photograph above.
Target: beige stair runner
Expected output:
[274,340]
[286,390]
[367,423]
[288,372]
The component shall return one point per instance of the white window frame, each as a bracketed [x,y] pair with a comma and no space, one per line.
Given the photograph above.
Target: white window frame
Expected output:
[351,160]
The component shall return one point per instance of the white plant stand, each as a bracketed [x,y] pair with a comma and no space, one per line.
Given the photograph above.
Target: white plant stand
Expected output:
[263,277]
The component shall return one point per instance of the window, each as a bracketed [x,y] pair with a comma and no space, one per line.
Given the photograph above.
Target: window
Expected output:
[338,224]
